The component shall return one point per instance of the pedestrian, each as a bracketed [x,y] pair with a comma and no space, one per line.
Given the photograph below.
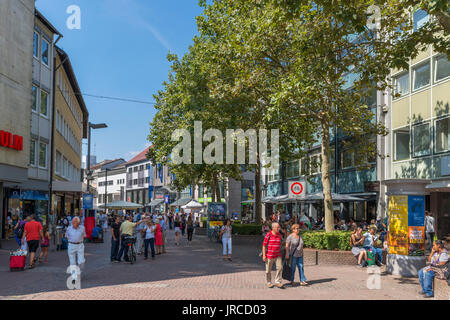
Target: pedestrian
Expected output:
[18,231]
[177,230]
[190,228]
[163,224]
[32,233]
[139,236]
[126,231]
[294,253]
[158,237]
[75,235]
[115,238]
[149,240]
[438,267]
[45,243]
[429,229]
[170,220]
[272,255]
[225,233]
[183,225]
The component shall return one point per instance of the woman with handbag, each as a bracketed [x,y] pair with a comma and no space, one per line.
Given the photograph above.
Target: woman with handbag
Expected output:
[225,234]
[294,251]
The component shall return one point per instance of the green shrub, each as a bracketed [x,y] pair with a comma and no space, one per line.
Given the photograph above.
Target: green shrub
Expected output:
[327,241]
[247,229]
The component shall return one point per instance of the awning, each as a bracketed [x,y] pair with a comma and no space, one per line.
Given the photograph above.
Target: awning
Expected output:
[155,202]
[445,184]
[122,205]
[267,200]
[180,202]
[251,201]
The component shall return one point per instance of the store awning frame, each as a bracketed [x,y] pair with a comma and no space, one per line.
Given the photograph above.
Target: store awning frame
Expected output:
[155,203]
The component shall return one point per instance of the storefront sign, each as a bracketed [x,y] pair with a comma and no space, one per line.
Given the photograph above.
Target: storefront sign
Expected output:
[8,140]
[29,195]
[398,225]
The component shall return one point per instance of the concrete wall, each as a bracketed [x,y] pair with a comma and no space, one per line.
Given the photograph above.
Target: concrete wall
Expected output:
[16,47]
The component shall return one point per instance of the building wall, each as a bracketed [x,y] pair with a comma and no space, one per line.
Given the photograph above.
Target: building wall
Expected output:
[16,32]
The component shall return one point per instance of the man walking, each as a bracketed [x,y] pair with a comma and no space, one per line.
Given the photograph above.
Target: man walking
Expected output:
[126,230]
[429,229]
[163,224]
[139,236]
[32,233]
[115,238]
[75,235]
[272,255]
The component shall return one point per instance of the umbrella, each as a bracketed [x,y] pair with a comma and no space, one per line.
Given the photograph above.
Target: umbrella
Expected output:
[122,205]
[193,205]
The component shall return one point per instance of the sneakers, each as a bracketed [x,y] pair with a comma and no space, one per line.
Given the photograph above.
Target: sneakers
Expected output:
[270,285]
[279,285]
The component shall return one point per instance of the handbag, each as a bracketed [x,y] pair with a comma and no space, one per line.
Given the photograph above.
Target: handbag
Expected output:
[286,275]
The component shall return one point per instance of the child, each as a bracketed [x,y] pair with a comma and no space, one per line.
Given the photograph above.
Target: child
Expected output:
[45,242]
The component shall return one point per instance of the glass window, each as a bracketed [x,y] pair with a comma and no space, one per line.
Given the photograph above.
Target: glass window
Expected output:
[58,163]
[347,159]
[45,52]
[442,68]
[33,98]
[36,45]
[33,153]
[315,164]
[292,169]
[421,76]
[401,84]
[421,140]
[420,17]
[442,135]
[401,144]
[42,155]
[44,103]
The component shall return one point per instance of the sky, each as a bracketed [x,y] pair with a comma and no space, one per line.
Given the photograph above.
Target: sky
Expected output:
[120,51]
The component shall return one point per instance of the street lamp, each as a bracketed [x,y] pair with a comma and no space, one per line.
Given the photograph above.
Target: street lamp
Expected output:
[92,126]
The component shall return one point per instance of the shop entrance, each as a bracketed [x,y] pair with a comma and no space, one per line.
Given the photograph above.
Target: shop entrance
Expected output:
[440,208]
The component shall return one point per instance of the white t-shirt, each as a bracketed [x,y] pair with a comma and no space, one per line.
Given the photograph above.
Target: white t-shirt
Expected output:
[150,232]
[429,223]
[439,258]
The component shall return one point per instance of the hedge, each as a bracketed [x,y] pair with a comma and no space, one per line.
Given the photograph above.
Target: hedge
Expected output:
[247,229]
[327,241]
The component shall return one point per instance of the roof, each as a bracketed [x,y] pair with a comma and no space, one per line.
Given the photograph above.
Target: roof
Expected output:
[104,163]
[47,23]
[140,157]
[76,88]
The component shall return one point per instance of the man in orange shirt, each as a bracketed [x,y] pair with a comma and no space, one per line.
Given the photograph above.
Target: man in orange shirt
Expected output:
[32,232]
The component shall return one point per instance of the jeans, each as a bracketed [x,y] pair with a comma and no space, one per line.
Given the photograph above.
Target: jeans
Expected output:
[150,242]
[226,242]
[114,248]
[297,262]
[170,224]
[182,230]
[430,237]
[123,248]
[426,281]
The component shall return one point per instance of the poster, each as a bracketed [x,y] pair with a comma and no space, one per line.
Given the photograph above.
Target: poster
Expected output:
[416,241]
[416,211]
[217,211]
[398,225]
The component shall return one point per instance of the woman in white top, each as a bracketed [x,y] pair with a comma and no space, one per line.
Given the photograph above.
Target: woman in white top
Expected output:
[149,238]
[225,233]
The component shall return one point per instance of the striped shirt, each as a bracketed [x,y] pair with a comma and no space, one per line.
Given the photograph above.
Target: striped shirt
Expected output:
[274,245]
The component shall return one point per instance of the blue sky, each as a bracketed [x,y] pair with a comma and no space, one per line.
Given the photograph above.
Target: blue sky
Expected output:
[121,51]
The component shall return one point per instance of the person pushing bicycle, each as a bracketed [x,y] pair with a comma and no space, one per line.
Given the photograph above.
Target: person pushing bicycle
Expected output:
[126,231]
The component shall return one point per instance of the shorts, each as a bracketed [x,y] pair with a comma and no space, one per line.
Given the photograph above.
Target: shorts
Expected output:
[177,229]
[33,245]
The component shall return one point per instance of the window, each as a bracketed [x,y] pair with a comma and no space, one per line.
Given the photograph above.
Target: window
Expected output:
[442,68]
[421,76]
[45,52]
[33,153]
[421,140]
[442,135]
[36,45]
[130,170]
[420,17]
[42,155]
[44,103]
[147,180]
[34,98]
[64,173]
[401,144]
[315,164]
[347,159]
[401,84]
[58,163]
[135,181]
[110,182]
[136,169]
[292,169]
[147,166]
[141,167]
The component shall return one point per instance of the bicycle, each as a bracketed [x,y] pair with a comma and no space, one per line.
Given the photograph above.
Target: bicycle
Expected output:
[131,250]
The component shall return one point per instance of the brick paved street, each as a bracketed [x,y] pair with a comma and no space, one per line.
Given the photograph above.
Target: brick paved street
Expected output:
[196,271]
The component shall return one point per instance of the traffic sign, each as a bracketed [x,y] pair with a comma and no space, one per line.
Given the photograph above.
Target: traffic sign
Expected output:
[297,189]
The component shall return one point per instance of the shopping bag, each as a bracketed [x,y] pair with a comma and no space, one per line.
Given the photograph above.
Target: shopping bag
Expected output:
[370,257]
[286,270]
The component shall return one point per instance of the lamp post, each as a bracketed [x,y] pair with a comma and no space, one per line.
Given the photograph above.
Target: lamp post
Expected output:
[91,126]
[106,188]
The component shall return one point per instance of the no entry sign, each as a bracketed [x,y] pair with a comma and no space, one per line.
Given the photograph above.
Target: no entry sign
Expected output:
[296,189]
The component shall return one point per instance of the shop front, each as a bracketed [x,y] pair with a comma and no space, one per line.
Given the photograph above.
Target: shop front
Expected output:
[25,202]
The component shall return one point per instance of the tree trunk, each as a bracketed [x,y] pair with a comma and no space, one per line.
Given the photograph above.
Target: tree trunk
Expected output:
[258,191]
[218,195]
[326,181]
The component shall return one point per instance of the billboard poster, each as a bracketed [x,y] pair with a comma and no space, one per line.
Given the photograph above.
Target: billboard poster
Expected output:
[217,211]
[416,241]
[416,211]
[398,225]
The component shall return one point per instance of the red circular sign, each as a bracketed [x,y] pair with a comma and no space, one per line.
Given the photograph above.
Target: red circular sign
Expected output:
[301,188]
